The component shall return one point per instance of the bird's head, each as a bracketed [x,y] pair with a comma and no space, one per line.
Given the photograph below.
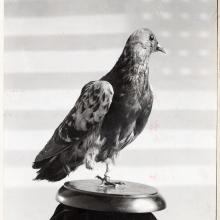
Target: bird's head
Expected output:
[143,42]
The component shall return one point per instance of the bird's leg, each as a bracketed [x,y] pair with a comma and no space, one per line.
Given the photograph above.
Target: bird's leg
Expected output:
[107,171]
[106,179]
[90,158]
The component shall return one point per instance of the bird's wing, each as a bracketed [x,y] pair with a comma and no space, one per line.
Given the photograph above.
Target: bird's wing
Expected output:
[88,112]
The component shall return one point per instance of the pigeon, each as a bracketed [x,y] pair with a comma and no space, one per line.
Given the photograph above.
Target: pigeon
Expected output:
[108,115]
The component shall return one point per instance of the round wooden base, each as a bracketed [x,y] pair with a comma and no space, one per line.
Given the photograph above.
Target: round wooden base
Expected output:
[128,198]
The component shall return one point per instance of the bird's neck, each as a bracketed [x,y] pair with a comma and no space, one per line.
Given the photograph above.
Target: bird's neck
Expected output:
[132,68]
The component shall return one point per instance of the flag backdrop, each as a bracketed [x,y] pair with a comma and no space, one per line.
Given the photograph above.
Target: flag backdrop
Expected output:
[54,47]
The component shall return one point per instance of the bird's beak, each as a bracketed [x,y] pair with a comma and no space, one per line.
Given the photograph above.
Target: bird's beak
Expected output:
[159,48]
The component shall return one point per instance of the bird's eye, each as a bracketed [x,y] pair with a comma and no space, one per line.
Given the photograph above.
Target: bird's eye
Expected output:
[151,37]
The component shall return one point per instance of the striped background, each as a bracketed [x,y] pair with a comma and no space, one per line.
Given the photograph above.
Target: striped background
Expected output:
[53,47]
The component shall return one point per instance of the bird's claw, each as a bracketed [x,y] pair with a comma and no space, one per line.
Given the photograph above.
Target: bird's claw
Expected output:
[106,181]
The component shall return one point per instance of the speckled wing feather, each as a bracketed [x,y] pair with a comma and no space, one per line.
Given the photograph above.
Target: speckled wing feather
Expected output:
[87,114]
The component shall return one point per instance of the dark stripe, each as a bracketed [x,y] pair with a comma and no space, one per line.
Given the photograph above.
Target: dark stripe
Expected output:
[62,8]
[65,42]
[68,7]
[170,119]
[158,80]
[164,157]
[148,157]
[73,42]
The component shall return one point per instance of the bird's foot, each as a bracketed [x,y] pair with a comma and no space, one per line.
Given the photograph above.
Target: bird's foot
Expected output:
[106,181]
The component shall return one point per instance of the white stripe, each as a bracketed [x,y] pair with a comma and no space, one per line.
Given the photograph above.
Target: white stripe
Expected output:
[80,24]
[65,100]
[149,139]
[50,62]
[101,60]
[156,176]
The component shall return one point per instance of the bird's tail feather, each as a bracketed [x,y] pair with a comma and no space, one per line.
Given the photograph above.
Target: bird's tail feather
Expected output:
[53,169]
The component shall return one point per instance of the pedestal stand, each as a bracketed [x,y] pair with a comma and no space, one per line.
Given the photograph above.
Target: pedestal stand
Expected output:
[87,200]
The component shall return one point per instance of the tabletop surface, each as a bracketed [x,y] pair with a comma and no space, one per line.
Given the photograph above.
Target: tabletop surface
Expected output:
[128,189]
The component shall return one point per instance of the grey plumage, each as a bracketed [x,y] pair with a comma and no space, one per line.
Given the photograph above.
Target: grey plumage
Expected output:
[109,114]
